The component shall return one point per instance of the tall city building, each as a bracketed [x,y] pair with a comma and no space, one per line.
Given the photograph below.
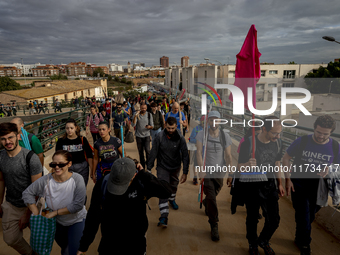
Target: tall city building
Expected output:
[185,61]
[164,61]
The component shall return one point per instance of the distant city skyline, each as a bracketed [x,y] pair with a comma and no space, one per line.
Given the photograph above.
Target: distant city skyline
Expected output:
[117,32]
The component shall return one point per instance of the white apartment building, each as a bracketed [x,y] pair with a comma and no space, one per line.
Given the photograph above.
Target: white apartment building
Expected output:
[25,68]
[115,67]
[167,79]
[176,76]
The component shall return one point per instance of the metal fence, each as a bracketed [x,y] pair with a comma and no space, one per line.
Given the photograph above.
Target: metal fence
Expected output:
[48,129]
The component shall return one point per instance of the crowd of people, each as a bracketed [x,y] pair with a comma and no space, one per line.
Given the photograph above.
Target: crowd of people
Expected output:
[123,185]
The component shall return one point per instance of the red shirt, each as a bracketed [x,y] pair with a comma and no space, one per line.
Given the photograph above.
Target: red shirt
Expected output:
[107,108]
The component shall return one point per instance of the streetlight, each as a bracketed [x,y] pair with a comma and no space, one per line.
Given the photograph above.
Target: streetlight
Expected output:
[207,59]
[330,38]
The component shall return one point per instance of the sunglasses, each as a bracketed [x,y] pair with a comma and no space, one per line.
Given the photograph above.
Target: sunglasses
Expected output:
[61,165]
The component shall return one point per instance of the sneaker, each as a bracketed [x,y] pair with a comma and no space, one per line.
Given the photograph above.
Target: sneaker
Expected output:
[195,181]
[214,233]
[253,250]
[163,222]
[267,249]
[173,205]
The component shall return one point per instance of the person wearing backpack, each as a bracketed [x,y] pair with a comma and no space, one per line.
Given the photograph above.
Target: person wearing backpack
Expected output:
[312,155]
[107,150]
[158,121]
[261,188]
[79,147]
[218,153]
[92,122]
[118,205]
[144,124]
[28,140]
[119,117]
[171,151]
[178,115]
[30,107]
[19,167]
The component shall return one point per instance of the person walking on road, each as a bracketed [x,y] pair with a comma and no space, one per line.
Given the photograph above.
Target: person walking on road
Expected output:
[107,150]
[28,140]
[79,148]
[178,115]
[311,153]
[92,122]
[170,149]
[120,118]
[158,121]
[18,169]
[118,204]
[218,152]
[258,187]
[143,122]
[65,195]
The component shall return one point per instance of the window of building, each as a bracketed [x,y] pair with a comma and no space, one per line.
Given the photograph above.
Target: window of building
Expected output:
[288,85]
[272,71]
[232,73]
[289,74]
[263,73]
[205,74]
[195,89]
[271,85]
[259,86]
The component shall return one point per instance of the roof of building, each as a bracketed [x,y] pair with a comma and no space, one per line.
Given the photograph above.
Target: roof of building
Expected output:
[55,88]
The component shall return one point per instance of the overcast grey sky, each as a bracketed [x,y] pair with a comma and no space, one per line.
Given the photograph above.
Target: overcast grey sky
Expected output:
[108,31]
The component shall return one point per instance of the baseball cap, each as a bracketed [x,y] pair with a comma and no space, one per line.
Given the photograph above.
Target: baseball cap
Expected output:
[214,114]
[122,171]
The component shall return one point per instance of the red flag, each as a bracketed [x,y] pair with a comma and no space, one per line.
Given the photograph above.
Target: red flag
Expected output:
[248,70]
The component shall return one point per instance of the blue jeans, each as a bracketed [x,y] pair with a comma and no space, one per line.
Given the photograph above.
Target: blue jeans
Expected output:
[154,133]
[68,237]
[304,203]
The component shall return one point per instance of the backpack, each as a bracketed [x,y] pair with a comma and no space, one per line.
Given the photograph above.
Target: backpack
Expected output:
[28,160]
[304,140]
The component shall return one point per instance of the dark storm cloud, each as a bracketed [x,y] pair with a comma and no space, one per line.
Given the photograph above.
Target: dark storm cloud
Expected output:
[143,31]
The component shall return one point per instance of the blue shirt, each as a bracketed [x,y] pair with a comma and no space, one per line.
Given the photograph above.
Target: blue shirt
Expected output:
[194,133]
[119,118]
[171,114]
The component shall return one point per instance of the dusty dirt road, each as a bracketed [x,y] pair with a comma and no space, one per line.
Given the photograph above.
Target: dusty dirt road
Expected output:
[188,229]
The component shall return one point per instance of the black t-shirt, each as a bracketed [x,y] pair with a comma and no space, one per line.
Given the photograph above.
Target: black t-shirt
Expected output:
[108,151]
[266,154]
[76,148]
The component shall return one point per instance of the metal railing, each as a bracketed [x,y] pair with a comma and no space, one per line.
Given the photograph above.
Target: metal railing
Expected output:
[50,128]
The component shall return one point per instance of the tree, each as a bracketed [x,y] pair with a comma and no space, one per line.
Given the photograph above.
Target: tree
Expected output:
[123,80]
[317,85]
[109,78]
[7,84]
[116,79]
[129,82]
[291,63]
[99,71]
[58,77]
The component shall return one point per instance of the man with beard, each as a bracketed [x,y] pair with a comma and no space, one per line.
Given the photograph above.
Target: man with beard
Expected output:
[218,152]
[19,167]
[312,153]
[143,122]
[258,187]
[169,147]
